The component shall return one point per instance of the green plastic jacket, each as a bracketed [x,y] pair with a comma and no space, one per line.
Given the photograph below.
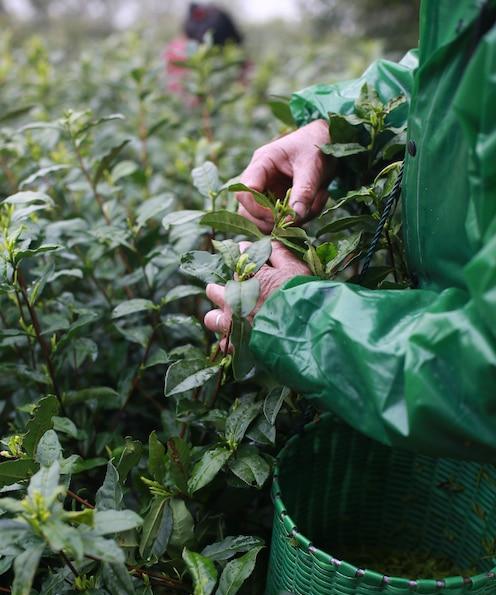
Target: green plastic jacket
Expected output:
[413,368]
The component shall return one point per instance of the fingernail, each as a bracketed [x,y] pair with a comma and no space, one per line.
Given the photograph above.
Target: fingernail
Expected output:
[300,209]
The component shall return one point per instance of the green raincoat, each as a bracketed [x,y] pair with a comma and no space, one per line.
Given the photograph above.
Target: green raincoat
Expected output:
[413,368]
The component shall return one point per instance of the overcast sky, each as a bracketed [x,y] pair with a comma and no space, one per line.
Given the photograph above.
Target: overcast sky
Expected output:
[255,10]
[265,9]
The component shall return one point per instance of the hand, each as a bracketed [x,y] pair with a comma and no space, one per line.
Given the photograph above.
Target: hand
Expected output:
[293,160]
[282,266]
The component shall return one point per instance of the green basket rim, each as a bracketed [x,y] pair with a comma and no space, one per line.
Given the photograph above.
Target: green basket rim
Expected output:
[368,576]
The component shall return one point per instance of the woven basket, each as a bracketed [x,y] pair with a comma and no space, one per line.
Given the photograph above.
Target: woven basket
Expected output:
[336,490]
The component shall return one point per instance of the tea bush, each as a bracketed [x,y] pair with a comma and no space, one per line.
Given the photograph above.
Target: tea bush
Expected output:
[136,451]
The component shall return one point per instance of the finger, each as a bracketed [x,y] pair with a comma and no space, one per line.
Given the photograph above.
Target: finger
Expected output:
[281,256]
[262,224]
[306,183]
[319,203]
[217,321]
[222,345]
[257,175]
[215,293]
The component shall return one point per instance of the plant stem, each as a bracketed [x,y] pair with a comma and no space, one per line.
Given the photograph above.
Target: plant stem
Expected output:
[81,501]
[227,339]
[69,564]
[167,581]
[24,320]
[137,377]
[99,200]
[45,349]
[391,255]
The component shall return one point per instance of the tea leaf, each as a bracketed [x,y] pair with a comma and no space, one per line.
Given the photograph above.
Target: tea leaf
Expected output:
[208,467]
[236,572]
[230,546]
[231,223]
[202,571]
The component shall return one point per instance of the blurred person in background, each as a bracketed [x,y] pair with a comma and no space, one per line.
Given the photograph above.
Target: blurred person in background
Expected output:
[201,19]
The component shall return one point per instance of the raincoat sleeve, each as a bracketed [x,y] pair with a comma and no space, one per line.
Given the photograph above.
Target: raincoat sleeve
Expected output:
[410,368]
[389,78]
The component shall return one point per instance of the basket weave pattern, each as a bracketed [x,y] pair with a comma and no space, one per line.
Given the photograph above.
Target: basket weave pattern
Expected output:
[335,489]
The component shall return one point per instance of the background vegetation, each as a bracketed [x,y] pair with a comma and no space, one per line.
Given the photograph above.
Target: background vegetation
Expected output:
[136,452]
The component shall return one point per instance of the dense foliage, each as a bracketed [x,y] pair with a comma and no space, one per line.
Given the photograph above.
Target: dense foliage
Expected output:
[136,451]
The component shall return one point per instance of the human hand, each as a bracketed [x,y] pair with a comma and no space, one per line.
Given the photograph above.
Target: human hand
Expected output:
[281,267]
[293,161]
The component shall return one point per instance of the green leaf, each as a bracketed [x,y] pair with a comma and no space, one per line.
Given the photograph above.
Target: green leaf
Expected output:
[368,102]
[153,208]
[131,307]
[373,277]
[156,458]
[124,169]
[346,130]
[11,531]
[115,521]
[183,524]
[105,550]
[209,268]
[243,361]
[157,530]
[231,223]
[181,217]
[259,198]
[79,466]
[41,421]
[326,252]
[362,195]
[250,467]
[180,378]
[281,110]
[104,395]
[25,567]
[361,221]
[42,173]
[259,253]
[64,425]
[229,250]
[206,179]
[202,571]
[46,482]
[15,113]
[48,450]
[208,467]
[29,198]
[109,495]
[311,257]
[182,291]
[20,255]
[107,161]
[117,579]
[136,334]
[243,412]
[14,471]
[129,458]
[273,403]
[236,572]
[242,296]
[346,248]
[230,546]
[394,103]
[179,455]
[343,149]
